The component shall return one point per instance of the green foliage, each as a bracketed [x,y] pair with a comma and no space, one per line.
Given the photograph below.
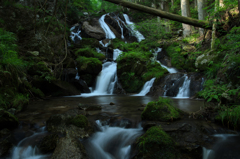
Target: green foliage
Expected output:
[156,143]
[161,110]
[230,115]
[89,52]
[20,101]
[79,121]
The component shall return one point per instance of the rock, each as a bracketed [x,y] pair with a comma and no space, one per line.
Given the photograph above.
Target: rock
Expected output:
[141,108]
[156,143]
[70,148]
[48,143]
[188,48]
[111,103]
[94,108]
[94,30]
[80,85]
[7,120]
[161,110]
[90,65]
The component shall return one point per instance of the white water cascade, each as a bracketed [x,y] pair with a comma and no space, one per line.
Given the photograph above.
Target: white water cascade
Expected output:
[146,88]
[106,80]
[107,30]
[112,142]
[170,70]
[184,91]
[77,77]
[133,29]
[24,151]
[73,34]
[116,53]
[121,27]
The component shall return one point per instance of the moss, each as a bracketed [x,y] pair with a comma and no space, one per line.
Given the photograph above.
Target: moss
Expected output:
[89,52]
[154,69]
[37,92]
[161,110]
[157,144]
[79,121]
[89,65]
[20,101]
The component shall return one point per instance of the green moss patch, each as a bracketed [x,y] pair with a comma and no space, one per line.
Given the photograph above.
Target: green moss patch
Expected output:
[154,69]
[89,65]
[89,52]
[161,110]
[156,143]
[79,121]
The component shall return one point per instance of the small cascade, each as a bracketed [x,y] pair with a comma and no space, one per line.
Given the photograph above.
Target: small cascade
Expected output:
[202,84]
[25,151]
[107,30]
[116,53]
[170,70]
[77,77]
[121,27]
[165,90]
[133,29]
[184,91]
[106,80]
[146,88]
[112,142]
[75,34]
[206,153]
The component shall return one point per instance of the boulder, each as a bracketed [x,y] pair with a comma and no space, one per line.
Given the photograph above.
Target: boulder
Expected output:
[69,147]
[48,143]
[161,110]
[94,30]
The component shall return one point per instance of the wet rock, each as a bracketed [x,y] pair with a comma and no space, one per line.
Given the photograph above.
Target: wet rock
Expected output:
[163,58]
[111,103]
[94,29]
[69,147]
[7,120]
[80,85]
[94,108]
[48,143]
[141,108]
[173,91]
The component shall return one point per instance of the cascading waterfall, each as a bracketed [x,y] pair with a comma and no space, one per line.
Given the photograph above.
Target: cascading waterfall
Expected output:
[77,34]
[107,30]
[116,53]
[132,27]
[146,88]
[23,151]
[106,80]
[121,27]
[170,70]
[112,142]
[77,77]
[184,91]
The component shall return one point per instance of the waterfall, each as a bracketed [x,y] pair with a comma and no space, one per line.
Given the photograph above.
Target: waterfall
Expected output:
[107,30]
[25,151]
[112,142]
[132,27]
[206,153]
[77,34]
[116,53]
[184,91]
[121,27]
[170,70]
[77,77]
[146,88]
[106,80]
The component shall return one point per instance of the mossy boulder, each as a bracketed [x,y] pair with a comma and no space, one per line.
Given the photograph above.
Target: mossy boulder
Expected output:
[89,65]
[161,110]
[89,52]
[7,120]
[156,143]
[79,121]
[48,143]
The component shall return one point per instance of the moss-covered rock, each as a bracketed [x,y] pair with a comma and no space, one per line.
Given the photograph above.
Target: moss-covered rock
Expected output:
[89,65]
[157,144]
[161,110]
[48,143]
[89,52]
[7,120]
[79,121]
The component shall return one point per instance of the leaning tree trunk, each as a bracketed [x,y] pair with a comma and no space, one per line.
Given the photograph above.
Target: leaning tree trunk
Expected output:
[214,26]
[185,9]
[167,15]
[201,14]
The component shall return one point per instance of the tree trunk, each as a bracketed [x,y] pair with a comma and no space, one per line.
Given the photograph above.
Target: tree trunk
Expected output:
[201,14]
[186,13]
[221,3]
[214,26]
[167,15]
[239,8]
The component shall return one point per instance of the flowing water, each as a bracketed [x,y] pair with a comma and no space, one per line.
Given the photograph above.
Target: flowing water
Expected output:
[184,91]
[76,34]
[133,29]
[107,30]
[146,88]
[112,142]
